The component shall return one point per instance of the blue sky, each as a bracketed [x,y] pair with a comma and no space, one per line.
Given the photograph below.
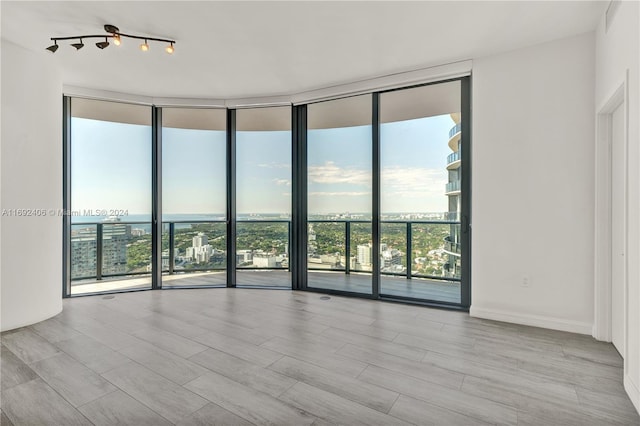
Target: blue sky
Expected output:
[193,168]
[263,170]
[111,168]
[413,164]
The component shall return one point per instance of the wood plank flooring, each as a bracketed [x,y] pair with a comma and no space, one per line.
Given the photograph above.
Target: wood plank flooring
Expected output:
[260,357]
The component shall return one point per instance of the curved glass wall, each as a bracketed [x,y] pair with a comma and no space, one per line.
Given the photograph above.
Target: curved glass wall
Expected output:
[193,197]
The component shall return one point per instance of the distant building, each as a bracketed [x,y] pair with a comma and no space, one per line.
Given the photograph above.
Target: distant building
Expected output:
[244,256]
[390,258]
[200,240]
[218,256]
[165,262]
[137,232]
[115,237]
[364,254]
[84,249]
[200,251]
[265,261]
[83,252]
[453,188]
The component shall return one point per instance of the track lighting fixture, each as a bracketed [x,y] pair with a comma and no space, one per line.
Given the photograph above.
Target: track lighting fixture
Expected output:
[115,35]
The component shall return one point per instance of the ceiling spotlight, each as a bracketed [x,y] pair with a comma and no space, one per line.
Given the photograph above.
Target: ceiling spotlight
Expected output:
[53,47]
[111,28]
[144,46]
[78,45]
[169,49]
[116,39]
[102,44]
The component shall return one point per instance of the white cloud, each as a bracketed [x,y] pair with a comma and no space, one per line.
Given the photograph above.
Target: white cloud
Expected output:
[282,182]
[413,181]
[275,165]
[329,173]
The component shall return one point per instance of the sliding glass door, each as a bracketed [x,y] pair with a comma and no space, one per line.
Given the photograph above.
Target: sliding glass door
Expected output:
[194,202]
[387,194]
[110,211]
[263,196]
[420,193]
[339,151]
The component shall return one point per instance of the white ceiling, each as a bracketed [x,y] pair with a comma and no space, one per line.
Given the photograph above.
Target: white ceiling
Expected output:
[247,49]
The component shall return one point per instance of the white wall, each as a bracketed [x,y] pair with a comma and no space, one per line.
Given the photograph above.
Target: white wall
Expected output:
[31,177]
[533,178]
[618,54]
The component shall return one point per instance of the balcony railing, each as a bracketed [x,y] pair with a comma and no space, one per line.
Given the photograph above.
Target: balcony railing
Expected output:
[101,249]
[455,129]
[117,249]
[452,247]
[452,186]
[415,248]
[453,157]
[418,244]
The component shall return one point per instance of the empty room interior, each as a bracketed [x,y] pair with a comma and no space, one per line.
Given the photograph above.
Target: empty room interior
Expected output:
[320,213]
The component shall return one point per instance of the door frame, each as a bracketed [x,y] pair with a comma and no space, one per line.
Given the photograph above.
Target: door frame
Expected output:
[602,327]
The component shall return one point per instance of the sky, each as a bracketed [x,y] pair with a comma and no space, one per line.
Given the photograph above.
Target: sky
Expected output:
[111,168]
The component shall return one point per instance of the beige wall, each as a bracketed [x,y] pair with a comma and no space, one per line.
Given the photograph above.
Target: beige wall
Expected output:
[533,178]
[31,176]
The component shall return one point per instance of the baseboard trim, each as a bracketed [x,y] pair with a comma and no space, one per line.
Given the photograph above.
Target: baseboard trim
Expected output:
[532,320]
[632,391]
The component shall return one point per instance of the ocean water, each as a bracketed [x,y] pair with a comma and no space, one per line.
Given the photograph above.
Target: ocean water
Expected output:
[143,221]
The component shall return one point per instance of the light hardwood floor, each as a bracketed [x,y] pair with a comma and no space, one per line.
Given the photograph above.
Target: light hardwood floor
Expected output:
[267,357]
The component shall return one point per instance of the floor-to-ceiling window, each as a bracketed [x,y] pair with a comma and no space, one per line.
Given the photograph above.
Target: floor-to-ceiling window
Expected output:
[339,192]
[263,196]
[194,197]
[420,190]
[110,187]
[382,180]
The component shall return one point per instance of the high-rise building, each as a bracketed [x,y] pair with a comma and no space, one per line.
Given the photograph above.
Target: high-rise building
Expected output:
[84,249]
[83,252]
[200,251]
[200,240]
[115,237]
[364,254]
[452,241]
